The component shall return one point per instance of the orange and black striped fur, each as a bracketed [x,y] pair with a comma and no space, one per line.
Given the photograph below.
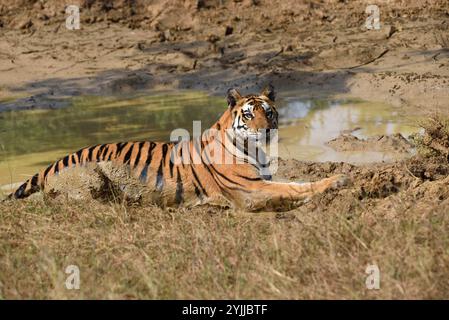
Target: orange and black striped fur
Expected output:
[162,168]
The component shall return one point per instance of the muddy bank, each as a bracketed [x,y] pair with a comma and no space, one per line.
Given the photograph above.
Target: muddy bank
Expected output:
[378,188]
[316,49]
[383,143]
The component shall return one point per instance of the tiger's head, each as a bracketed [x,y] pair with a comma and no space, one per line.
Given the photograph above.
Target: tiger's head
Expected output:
[253,116]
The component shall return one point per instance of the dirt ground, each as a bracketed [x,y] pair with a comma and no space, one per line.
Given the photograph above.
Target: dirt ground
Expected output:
[315,48]
[318,48]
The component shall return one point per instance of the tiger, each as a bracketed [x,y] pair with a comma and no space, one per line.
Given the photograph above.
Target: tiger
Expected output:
[245,182]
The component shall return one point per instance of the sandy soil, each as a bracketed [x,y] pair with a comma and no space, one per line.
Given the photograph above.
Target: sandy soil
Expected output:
[318,48]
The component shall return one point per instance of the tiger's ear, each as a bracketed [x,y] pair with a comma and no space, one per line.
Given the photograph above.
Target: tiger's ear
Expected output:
[233,96]
[269,92]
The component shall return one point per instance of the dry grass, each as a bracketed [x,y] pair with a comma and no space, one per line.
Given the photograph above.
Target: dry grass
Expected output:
[152,253]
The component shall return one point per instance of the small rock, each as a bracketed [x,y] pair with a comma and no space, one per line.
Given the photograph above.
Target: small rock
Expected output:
[389,31]
[25,24]
[213,38]
[43,17]
[168,35]
[140,46]
[208,4]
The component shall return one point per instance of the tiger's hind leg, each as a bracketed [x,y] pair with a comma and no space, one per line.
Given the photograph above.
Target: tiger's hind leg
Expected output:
[285,196]
[103,181]
[118,184]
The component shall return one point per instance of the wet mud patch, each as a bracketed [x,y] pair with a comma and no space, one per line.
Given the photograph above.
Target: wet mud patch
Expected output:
[380,143]
[374,187]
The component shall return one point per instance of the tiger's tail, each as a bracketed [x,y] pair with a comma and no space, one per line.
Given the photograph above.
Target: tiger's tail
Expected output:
[26,189]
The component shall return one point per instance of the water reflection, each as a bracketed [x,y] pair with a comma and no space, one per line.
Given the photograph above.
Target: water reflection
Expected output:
[306,126]
[32,139]
[29,140]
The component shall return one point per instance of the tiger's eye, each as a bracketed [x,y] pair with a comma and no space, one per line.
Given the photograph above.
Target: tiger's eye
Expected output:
[247,115]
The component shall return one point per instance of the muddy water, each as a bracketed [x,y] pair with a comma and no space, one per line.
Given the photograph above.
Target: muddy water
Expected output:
[30,140]
[306,125]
